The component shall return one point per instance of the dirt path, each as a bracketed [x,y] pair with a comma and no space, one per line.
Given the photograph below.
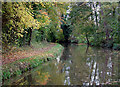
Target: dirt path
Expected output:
[24,54]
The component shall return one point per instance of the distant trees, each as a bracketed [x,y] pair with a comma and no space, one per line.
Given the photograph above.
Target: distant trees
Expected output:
[95,23]
[66,28]
[80,18]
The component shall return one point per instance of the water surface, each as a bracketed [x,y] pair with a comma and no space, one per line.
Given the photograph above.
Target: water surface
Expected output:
[79,65]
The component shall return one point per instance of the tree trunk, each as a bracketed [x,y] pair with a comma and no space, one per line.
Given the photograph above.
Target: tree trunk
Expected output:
[30,36]
[87,39]
[105,26]
[119,21]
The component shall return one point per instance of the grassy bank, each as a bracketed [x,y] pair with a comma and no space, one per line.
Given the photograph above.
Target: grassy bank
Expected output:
[22,65]
[113,46]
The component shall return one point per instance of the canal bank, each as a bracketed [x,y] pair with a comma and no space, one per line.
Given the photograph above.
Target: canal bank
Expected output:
[37,58]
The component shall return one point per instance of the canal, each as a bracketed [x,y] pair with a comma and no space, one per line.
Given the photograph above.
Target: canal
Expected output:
[79,65]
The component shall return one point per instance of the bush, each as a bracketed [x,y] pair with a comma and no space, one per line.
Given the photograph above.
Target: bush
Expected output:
[116,46]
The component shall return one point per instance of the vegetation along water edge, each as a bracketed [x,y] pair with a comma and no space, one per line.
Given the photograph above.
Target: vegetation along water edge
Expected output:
[22,65]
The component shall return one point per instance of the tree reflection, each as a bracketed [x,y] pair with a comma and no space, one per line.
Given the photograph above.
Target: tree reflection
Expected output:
[92,66]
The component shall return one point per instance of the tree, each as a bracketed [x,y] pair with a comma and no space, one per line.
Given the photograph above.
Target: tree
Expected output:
[95,23]
[16,18]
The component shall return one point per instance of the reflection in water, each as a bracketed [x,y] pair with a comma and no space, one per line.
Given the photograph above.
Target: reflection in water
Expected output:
[79,65]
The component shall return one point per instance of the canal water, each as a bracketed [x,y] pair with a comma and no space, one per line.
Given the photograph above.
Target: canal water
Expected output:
[79,65]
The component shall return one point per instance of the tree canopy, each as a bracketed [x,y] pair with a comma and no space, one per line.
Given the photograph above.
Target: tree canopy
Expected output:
[94,23]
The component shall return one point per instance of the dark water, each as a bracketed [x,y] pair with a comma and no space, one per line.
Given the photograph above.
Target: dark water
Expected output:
[79,65]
